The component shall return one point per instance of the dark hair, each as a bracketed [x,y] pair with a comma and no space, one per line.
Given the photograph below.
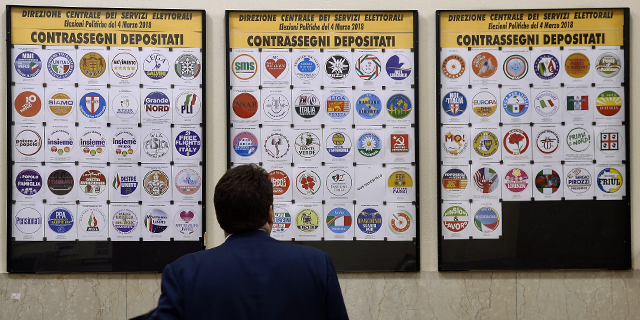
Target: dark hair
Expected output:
[242,198]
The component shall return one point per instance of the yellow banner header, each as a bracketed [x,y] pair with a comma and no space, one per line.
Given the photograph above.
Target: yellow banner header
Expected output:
[533,28]
[311,29]
[106,27]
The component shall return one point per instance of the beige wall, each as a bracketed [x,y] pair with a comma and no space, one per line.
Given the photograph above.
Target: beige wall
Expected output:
[424,295]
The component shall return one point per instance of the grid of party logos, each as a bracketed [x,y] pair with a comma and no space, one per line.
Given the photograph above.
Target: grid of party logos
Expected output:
[106,143]
[528,124]
[334,128]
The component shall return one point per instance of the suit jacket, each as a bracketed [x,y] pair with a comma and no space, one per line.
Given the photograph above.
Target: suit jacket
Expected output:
[251,276]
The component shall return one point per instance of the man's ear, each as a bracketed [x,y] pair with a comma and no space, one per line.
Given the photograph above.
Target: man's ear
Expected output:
[270,218]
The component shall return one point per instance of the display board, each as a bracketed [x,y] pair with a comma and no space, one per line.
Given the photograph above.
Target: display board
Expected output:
[533,139]
[326,102]
[105,110]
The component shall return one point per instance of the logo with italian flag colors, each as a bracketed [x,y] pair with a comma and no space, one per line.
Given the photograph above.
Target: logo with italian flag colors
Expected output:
[339,220]
[546,103]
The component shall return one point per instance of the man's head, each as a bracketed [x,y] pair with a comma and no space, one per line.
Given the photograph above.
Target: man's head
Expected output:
[243,199]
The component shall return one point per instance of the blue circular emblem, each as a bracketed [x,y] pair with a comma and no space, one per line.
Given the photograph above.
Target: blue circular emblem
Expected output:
[245,144]
[60,65]
[188,143]
[486,220]
[92,105]
[398,67]
[546,66]
[338,106]
[60,220]
[339,220]
[28,182]
[515,103]
[369,220]
[338,144]
[28,64]
[306,65]
[454,103]
[156,221]
[368,106]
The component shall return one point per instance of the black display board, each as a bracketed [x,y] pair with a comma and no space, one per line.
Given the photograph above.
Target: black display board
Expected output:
[139,71]
[298,44]
[541,229]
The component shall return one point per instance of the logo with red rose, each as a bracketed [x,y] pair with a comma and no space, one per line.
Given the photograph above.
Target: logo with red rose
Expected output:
[308,182]
[516,141]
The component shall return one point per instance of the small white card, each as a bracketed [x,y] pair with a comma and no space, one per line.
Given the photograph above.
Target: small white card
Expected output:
[487,181]
[246,144]
[307,145]
[309,184]
[277,144]
[579,180]
[401,222]
[245,105]
[370,219]
[370,183]
[457,144]
[517,181]
[456,181]
[455,66]
[338,68]
[93,63]
[187,105]
[93,182]
[187,64]
[124,66]
[611,181]
[93,221]
[125,105]
[187,182]
[28,103]
[124,144]
[62,182]
[549,142]
[92,145]
[62,143]
[60,104]
[308,221]
[368,68]
[156,105]
[61,223]
[579,142]
[400,145]
[308,106]
[548,181]
[156,144]
[456,220]
[577,66]
[516,105]
[156,67]
[276,68]
[400,183]
[484,105]
[245,68]
[186,220]
[398,67]
[369,144]
[282,178]
[156,221]
[156,182]
[28,181]
[276,106]
[187,143]
[306,68]
[284,227]
[28,220]
[92,105]
[28,143]
[487,216]
[124,222]
[124,183]
[339,221]
[339,183]
[339,145]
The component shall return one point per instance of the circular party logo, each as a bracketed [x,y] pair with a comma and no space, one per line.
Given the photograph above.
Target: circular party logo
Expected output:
[60,142]
[608,65]
[453,66]
[338,144]
[454,103]
[188,104]
[547,181]
[578,180]
[93,105]
[156,66]
[547,141]
[276,145]
[245,105]
[92,221]
[516,180]
[156,183]
[60,220]
[306,67]
[454,180]
[369,144]
[92,182]
[337,67]
[307,105]
[276,106]
[339,182]
[486,180]
[187,66]
[28,64]
[577,102]
[486,220]
[399,106]
[124,65]
[307,145]
[276,67]
[156,144]
[338,106]
[455,142]
[484,65]
[28,182]
[92,143]
[398,67]
[578,139]
[547,103]
[124,221]
[93,65]
[280,181]
[609,180]
[156,221]
[187,181]
[577,65]
[28,142]
[188,143]
[244,67]
[307,220]
[28,220]
[368,106]
[400,222]
[157,104]
[27,104]
[60,182]
[400,183]
[515,67]
[124,144]
[516,142]
[455,219]
[124,105]
[369,220]
[281,220]
[339,220]
[368,67]
[60,65]
[484,104]
[125,181]
[308,182]
[608,103]
[515,103]
[546,66]
[486,143]
[60,104]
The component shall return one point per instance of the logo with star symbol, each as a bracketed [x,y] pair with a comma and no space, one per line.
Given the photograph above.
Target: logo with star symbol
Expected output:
[124,65]
[187,66]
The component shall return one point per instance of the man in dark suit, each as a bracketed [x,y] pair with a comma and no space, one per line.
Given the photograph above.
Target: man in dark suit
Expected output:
[251,275]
